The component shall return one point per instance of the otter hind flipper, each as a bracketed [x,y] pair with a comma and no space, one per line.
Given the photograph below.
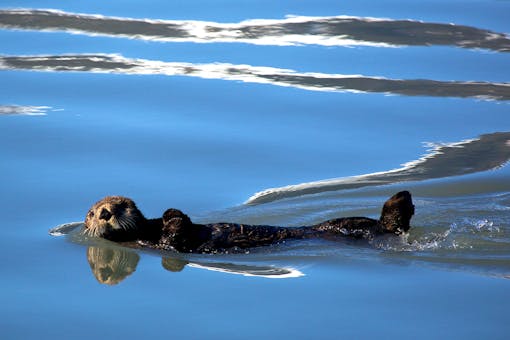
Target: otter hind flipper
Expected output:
[397,212]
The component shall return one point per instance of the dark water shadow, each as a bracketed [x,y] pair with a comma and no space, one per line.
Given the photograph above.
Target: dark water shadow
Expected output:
[487,152]
[111,63]
[297,30]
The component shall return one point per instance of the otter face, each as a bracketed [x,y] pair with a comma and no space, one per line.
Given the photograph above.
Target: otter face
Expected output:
[114,218]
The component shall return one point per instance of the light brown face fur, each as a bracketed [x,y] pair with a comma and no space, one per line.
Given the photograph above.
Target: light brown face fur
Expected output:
[113,216]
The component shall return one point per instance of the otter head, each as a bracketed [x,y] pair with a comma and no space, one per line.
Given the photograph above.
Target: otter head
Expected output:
[397,212]
[115,218]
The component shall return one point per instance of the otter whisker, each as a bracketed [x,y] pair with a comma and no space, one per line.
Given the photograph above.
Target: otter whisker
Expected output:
[123,224]
[128,223]
[131,223]
[92,232]
[119,223]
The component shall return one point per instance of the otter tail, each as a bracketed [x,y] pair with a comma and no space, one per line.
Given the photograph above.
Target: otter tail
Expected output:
[397,212]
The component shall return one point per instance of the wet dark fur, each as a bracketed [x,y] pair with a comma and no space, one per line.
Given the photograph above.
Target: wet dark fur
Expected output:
[176,231]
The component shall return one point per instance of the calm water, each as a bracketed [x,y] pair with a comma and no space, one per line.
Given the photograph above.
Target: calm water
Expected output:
[256,112]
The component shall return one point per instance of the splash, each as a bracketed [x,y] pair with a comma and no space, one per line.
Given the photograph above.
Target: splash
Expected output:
[465,234]
[431,241]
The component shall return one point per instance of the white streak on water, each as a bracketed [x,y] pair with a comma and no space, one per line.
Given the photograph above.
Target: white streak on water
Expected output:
[285,272]
[435,149]
[114,63]
[24,110]
[200,31]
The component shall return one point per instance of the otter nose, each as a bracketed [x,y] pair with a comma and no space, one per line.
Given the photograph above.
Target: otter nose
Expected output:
[105,214]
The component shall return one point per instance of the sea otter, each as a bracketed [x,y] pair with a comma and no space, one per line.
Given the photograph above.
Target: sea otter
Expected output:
[118,219]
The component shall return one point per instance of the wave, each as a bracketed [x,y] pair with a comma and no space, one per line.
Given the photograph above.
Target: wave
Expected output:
[113,63]
[487,152]
[65,229]
[292,30]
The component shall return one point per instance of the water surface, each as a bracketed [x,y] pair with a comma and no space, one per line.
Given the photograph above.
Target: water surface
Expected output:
[284,114]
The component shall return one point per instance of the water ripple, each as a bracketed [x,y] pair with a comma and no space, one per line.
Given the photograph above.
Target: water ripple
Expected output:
[113,63]
[292,30]
[487,152]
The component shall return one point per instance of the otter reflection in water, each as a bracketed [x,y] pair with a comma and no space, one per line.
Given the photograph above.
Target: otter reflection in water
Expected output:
[111,265]
[118,219]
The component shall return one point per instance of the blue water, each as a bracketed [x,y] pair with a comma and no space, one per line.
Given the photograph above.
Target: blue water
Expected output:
[206,123]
